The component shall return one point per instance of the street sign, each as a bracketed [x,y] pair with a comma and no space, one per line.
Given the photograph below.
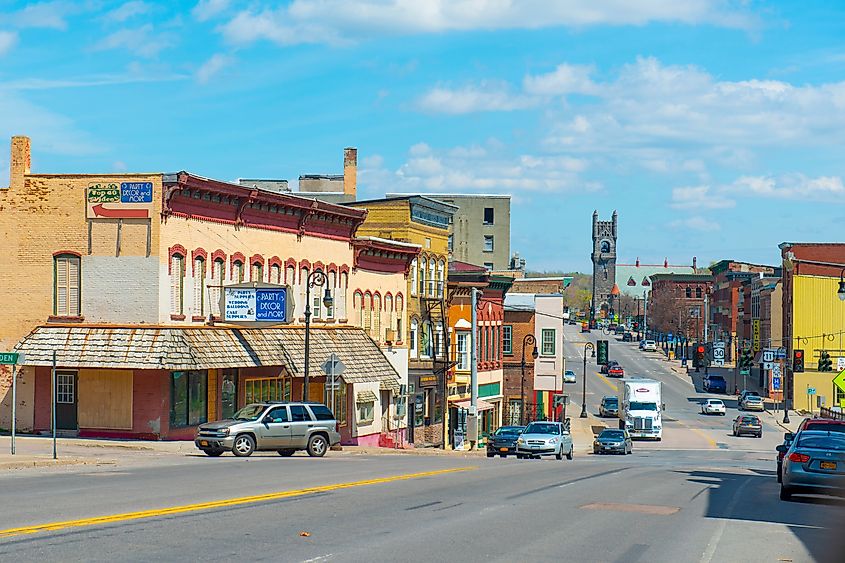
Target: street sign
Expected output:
[719,362]
[10,358]
[768,365]
[718,353]
[781,354]
[811,390]
[776,383]
[745,371]
[333,365]
[768,357]
[840,363]
[839,380]
[560,400]
[776,370]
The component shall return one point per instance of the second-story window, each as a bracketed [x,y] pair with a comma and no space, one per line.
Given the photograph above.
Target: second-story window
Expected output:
[257,273]
[432,265]
[488,243]
[547,336]
[218,269]
[238,271]
[66,286]
[414,277]
[507,339]
[488,215]
[689,292]
[412,338]
[177,284]
[441,278]
[462,350]
[423,265]
[199,286]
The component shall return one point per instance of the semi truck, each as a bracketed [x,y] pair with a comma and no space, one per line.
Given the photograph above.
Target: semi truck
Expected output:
[641,407]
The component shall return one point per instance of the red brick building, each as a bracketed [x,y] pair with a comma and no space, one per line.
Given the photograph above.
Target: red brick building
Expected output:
[678,304]
[728,299]
[518,380]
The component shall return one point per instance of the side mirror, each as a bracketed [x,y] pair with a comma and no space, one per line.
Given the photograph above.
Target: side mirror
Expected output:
[788,436]
[782,448]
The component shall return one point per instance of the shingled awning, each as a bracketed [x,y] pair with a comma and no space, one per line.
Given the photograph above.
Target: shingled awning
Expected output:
[193,348]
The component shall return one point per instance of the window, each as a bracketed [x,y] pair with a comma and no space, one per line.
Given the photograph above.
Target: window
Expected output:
[339,403]
[267,389]
[199,286]
[299,414]
[278,415]
[462,351]
[431,279]
[412,338]
[377,335]
[698,293]
[66,286]
[488,265]
[257,273]
[238,271]
[450,244]
[218,270]
[438,341]
[322,412]
[423,265]
[276,274]
[290,275]
[399,306]
[358,307]
[689,292]
[414,277]
[441,276]
[605,247]
[427,242]
[229,393]
[488,243]
[332,289]
[64,387]
[488,215]
[188,398]
[507,339]
[365,412]
[367,313]
[388,309]
[425,340]
[548,341]
[177,283]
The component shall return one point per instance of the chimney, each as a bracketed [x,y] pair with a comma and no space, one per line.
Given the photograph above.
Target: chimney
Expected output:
[19,161]
[665,262]
[694,264]
[638,262]
[350,171]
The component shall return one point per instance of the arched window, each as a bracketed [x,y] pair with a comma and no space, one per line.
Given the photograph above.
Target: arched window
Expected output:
[412,338]
[218,272]
[698,293]
[377,335]
[332,281]
[358,307]
[177,284]
[66,286]
[421,288]
[432,265]
[368,313]
[388,312]
[425,340]
[303,280]
[275,274]
[199,286]
[238,271]
[340,295]
[689,292]
[399,316]
[441,277]
[414,277]
[257,272]
[605,246]
[290,275]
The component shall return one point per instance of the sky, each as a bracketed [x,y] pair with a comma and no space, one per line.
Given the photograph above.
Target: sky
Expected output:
[715,128]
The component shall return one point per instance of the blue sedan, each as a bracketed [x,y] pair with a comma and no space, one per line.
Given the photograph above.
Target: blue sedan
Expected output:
[814,464]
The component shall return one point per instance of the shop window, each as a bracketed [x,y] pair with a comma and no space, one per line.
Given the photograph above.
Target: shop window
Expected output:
[267,389]
[188,398]
[340,411]
[229,393]
[507,340]
[66,286]
[548,342]
[366,412]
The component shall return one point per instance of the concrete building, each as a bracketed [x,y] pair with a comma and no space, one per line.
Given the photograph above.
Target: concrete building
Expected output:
[480,231]
[129,294]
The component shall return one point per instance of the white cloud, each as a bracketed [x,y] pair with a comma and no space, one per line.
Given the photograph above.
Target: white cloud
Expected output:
[695,223]
[127,10]
[471,99]
[208,9]
[212,66]
[143,41]
[565,79]
[340,19]
[699,197]
[8,39]
[795,186]
[43,15]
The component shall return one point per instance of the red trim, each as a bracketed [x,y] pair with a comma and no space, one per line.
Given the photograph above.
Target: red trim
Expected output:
[305,264]
[319,266]
[198,253]
[236,257]
[256,259]
[171,252]
[67,253]
[275,261]
[197,319]
[332,267]
[218,255]
[58,319]
[290,262]
[177,317]
[344,269]
[386,295]
[397,300]
[380,301]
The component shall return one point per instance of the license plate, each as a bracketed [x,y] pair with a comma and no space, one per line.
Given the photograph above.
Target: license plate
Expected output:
[828,465]
[203,442]
[503,449]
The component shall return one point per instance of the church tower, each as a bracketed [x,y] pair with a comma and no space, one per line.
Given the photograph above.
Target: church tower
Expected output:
[604,263]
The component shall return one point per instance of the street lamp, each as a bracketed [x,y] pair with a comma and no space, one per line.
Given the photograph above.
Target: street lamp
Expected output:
[587,346]
[317,277]
[841,291]
[528,340]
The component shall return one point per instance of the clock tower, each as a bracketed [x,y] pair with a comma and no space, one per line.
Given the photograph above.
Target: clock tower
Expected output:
[604,264]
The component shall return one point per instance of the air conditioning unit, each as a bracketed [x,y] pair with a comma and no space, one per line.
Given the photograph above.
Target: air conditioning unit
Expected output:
[389,335]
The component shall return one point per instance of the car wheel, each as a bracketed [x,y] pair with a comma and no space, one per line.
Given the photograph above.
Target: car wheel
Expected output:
[286,452]
[569,455]
[760,435]
[785,493]
[490,454]
[244,445]
[317,445]
[559,456]
[780,474]
[213,453]
[734,432]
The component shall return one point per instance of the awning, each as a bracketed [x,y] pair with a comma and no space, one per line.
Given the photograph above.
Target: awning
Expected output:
[482,405]
[195,348]
[365,397]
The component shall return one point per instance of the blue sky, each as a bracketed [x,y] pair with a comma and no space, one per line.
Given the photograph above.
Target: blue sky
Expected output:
[716,128]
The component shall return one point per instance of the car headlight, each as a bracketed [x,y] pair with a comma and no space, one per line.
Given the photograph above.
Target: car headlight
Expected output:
[224,431]
[519,441]
[553,441]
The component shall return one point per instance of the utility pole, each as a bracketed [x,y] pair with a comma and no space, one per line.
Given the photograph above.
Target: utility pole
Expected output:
[472,419]
[706,314]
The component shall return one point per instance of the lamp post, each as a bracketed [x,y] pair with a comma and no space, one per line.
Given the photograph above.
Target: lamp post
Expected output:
[841,291]
[317,277]
[528,340]
[587,346]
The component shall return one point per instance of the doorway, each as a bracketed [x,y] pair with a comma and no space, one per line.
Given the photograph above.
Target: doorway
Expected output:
[66,400]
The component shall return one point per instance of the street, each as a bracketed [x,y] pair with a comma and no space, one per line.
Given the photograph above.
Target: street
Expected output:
[699,495]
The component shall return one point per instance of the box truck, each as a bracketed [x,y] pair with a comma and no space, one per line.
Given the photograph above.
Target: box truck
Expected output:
[641,407]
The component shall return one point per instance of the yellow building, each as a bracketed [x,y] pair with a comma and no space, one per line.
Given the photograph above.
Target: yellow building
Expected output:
[422,221]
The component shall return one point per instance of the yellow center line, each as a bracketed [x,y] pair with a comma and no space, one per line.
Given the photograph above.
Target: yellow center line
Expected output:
[127,516]
[606,380]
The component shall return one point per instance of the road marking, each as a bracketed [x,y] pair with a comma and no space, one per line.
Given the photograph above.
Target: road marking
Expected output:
[606,380]
[638,508]
[701,433]
[128,516]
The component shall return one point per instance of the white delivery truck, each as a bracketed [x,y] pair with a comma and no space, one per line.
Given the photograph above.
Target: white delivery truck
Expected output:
[641,407]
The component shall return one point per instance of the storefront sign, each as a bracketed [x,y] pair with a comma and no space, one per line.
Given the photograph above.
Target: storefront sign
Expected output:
[755,335]
[124,200]
[428,380]
[247,304]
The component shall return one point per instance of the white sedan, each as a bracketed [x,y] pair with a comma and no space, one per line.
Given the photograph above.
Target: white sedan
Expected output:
[569,376]
[713,406]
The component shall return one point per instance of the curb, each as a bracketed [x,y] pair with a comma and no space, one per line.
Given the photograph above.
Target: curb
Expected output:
[28,464]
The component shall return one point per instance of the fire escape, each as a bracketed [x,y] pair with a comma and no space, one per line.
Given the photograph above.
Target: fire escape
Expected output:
[434,309]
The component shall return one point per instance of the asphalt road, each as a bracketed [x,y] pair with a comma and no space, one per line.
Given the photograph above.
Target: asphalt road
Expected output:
[699,495]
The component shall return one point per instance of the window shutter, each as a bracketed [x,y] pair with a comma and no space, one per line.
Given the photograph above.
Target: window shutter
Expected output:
[73,287]
[176,273]
[61,286]
[199,279]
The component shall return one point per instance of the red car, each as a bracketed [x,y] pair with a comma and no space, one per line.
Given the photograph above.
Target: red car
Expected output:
[616,371]
[828,424]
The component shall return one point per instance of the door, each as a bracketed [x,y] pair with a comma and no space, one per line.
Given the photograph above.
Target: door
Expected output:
[66,400]
[300,424]
[229,393]
[276,429]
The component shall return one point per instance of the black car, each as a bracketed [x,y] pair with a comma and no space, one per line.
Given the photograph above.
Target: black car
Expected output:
[627,337]
[503,441]
[613,441]
[608,365]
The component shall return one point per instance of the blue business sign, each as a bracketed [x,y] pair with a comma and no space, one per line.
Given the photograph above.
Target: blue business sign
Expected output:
[776,383]
[136,192]
[271,305]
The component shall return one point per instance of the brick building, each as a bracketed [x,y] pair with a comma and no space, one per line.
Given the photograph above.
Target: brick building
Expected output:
[129,293]
[677,304]
[518,381]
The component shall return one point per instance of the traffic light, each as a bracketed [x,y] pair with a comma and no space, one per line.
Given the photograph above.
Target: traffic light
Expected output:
[636,325]
[699,355]
[746,360]
[797,361]
[601,353]
[824,362]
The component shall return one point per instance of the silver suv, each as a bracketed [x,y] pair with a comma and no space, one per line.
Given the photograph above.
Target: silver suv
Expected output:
[284,427]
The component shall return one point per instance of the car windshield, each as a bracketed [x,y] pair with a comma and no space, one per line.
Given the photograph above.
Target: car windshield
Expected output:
[638,406]
[570,372]
[828,441]
[716,378]
[611,401]
[249,412]
[542,428]
[613,434]
[508,431]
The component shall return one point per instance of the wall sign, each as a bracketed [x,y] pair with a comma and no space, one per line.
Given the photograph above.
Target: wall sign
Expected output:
[250,304]
[123,200]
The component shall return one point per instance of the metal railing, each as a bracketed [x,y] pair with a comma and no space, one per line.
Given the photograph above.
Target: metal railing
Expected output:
[826,412]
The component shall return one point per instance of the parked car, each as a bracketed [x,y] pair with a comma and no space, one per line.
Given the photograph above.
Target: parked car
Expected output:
[585,327]
[609,406]
[611,440]
[627,337]
[746,393]
[503,441]
[650,346]
[569,376]
[713,406]
[752,403]
[544,438]
[620,330]
[814,463]
[824,424]
[748,424]
[714,384]
[642,344]
[606,367]
[616,371]
[284,427]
